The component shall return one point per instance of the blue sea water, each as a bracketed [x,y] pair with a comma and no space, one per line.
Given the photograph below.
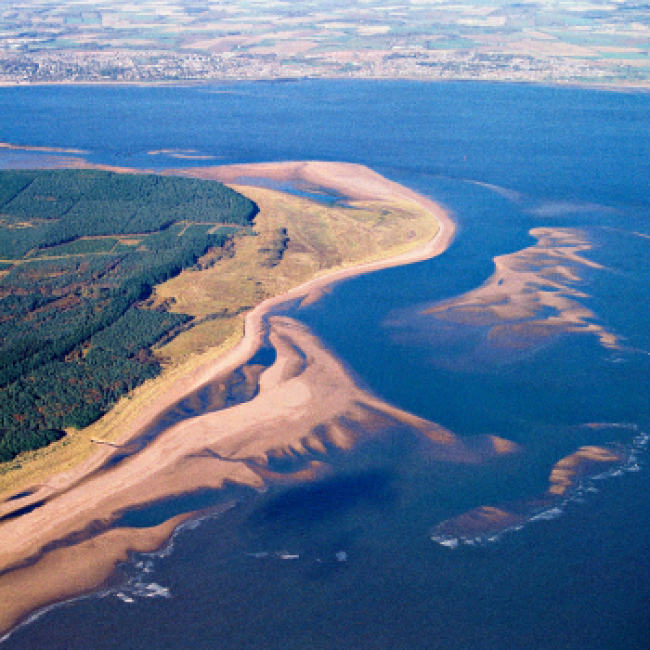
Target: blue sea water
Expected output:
[349,562]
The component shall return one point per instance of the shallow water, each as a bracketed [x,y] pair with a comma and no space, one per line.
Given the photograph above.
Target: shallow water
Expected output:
[350,561]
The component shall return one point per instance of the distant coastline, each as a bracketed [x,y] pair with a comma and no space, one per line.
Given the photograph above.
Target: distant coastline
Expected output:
[617,86]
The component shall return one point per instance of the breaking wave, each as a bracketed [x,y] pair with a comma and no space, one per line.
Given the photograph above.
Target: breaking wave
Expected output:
[578,495]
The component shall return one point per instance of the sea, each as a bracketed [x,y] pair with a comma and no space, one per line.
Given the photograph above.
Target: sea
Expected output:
[550,183]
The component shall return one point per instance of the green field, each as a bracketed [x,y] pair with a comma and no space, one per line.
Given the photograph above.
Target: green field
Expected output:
[153,40]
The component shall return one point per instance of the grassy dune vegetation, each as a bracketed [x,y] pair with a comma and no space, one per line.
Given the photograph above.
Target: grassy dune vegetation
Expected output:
[293,239]
[313,239]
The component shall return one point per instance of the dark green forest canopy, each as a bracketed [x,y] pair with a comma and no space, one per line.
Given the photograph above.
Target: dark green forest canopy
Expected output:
[80,251]
[45,208]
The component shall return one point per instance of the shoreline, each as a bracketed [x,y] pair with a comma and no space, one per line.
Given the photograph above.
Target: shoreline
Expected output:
[582,85]
[38,567]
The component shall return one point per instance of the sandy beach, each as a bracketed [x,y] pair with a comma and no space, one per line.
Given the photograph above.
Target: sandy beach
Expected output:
[57,541]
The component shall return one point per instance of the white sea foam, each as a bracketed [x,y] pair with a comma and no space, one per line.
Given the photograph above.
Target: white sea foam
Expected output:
[41,612]
[547,515]
[137,587]
[144,564]
[124,598]
[190,524]
[154,590]
[450,541]
[285,555]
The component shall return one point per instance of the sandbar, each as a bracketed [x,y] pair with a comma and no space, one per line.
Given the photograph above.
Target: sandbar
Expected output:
[18,147]
[534,295]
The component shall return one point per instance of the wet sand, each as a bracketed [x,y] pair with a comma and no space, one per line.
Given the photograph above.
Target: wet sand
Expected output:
[534,294]
[63,544]
[487,523]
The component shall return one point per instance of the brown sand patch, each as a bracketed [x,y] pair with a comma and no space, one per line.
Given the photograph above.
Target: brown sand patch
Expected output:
[533,295]
[479,522]
[55,578]
[587,461]
[486,521]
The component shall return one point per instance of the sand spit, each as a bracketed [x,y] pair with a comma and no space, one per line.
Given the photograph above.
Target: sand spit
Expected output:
[17,147]
[307,404]
[57,540]
[348,179]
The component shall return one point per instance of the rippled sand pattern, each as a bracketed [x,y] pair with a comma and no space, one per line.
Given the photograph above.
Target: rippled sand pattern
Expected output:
[305,405]
[534,294]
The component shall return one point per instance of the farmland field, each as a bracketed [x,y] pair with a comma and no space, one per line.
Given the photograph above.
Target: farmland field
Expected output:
[152,40]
